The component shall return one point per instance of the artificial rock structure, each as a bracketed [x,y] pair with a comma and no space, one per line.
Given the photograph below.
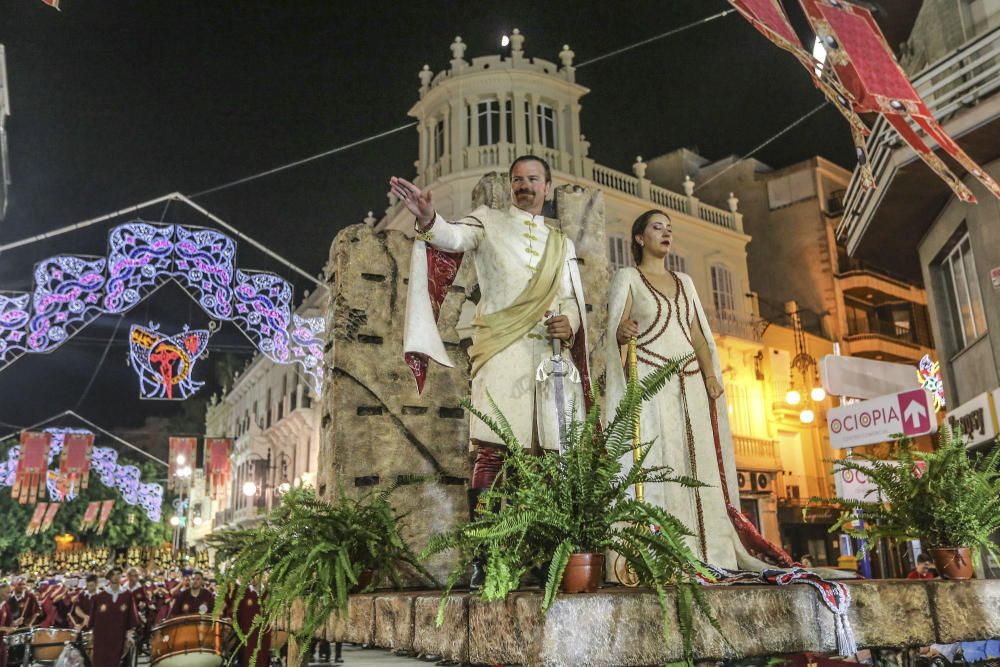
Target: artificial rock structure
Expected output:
[376,429]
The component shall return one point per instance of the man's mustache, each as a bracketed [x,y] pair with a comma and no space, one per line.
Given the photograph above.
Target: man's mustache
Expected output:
[525,192]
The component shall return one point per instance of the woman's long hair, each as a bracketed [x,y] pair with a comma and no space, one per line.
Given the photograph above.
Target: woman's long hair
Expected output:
[639,228]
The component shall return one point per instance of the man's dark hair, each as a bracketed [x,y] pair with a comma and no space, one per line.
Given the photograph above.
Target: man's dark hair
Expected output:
[531,158]
[924,558]
[113,571]
[198,573]
[91,578]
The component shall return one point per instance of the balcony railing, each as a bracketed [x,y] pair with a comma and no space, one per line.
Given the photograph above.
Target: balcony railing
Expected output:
[749,450]
[953,83]
[616,180]
[728,323]
[881,329]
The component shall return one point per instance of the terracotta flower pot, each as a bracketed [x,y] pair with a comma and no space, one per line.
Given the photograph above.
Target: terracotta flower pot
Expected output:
[954,563]
[583,573]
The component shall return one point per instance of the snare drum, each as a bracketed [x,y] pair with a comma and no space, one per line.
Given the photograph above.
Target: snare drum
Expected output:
[47,643]
[191,641]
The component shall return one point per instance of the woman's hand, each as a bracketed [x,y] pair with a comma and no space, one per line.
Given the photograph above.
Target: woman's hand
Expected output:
[714,387]
[628,328]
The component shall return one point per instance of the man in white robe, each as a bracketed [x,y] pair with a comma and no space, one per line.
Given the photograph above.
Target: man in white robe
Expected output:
[531,294]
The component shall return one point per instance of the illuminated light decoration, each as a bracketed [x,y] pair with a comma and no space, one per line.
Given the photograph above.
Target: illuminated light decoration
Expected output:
[66,299]
[180,450]
[14,318]
[929,376]
[817,394]
[104,463]
[793,397]
[807,416]
[165,364]
[71,291]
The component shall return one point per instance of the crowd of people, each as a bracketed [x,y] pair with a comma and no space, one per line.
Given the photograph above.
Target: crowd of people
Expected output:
[118,609]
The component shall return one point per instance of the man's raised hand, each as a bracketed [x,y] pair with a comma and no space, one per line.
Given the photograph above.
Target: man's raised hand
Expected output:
[418,203]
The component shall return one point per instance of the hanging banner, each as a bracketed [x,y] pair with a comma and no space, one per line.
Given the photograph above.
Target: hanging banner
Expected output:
[50,516]
[90,515]
[217,465]
[185,448]
[74,466]
[32,466]
[105,513]
[36,519]
[867,69]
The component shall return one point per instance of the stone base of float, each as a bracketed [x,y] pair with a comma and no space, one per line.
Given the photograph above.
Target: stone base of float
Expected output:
[619,626]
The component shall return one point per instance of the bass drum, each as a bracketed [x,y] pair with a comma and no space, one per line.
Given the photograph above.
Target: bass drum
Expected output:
[191,641]
[47,643]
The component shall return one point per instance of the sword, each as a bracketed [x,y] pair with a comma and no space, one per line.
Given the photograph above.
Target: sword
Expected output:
[558,373]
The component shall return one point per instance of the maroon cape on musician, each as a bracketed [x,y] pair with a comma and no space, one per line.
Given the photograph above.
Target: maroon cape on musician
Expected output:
[113,616]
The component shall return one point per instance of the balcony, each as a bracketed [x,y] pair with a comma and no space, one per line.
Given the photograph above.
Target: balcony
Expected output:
[729,323]
[756,453]
[959,90]
[875,288]
[885,341]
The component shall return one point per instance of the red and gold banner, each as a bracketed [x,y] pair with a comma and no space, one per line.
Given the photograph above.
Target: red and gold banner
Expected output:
[36,519]
[74,466]
[90,515]
[105,513]
[32,466]
[217,465]
[181,447]
[50,516]
[874,81]
[861,75]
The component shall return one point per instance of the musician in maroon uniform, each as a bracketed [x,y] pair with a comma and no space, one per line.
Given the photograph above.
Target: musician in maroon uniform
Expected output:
[242,615]
[194,600]
[56,605]
[83,605]
[5,621]
[24,608]
[113,620]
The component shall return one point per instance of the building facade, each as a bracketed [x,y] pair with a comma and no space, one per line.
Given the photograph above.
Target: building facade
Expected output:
[271,414]
[477,115]
[4,112]
[911,221]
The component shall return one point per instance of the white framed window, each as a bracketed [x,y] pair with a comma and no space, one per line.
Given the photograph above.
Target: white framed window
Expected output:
[723,297]
[488,117]
[439,140]
[546,126]
[676,263]
[965,301]
[508,116]
[527,122]
[619,252]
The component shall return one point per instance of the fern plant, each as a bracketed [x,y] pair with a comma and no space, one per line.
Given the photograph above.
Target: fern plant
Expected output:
[545,508]
[311,552]
[945,498]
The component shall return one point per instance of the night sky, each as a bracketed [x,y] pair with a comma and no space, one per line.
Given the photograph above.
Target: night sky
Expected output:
[115,103]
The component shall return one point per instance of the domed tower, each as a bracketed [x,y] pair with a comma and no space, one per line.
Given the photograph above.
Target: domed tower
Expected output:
[476,117]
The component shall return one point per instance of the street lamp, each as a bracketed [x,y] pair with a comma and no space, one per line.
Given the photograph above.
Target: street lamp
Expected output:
[175,521]
[249,489]
[817,394]
[793,397]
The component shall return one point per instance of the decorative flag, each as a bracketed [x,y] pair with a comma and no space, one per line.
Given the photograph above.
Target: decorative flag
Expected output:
[90,515]
[217,466]
[52,3]
[769,18]
[164,363]
[36,519]
[32,466]
[184,447]
[874,81]
[861,75]
[105,513]
[74,467]
[50,516]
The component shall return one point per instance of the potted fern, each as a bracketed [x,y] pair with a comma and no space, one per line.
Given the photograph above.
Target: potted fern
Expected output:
[945,498]
[547,510]
[313,553]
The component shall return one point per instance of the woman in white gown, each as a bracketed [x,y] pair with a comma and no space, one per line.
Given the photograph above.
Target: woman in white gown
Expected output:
[661,309]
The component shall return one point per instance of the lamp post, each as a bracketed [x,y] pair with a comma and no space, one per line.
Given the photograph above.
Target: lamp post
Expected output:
[179,519]
[260,486]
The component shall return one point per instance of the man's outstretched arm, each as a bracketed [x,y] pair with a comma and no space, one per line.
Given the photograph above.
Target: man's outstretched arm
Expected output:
[462,236]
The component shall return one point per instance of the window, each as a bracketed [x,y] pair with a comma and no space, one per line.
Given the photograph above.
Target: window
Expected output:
[508,115]
[619,252]
[676,263]
[268,408]
[527,122]
[488,116]
[722,291]
[468,125]
[438,140]
[546,126]
[295,395]
[961,286]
